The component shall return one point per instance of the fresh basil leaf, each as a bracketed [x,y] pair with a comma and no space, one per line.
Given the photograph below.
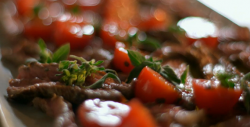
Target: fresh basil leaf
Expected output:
[101,68]
[42,44]
[98,84]
[246,90]
[110,71]
[136,58]
[61,53]
[176,29]
[98,63]
[224,79]
[150,44]
[164,75]
[156,66]
[135,72]
[184,75]
[167,70]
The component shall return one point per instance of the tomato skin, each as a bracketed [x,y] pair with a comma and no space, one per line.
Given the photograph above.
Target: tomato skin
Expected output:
[215,100]
[138,116]
[151,86]
[210,41]
[37,29]
[70,30]
[108,38]
[96,113]
[25,7]
[153,21]
[121,60]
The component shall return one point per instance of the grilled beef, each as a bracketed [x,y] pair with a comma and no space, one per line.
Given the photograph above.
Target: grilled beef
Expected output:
[57,108]
[73,94]
[42,71]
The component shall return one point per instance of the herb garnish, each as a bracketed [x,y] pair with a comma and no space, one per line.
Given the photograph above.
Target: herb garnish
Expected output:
[46,56]
[246,91]
[224,79]
[141,40]
[139,61]
[76,74]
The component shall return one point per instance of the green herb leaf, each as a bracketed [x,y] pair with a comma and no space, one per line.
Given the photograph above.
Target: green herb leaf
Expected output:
[61,53]
[246,91]
[170,74]
[150,44]
[135,72]
[176,29]
[184,75]
[98,84]
[110,71]
[45,54]
[42,44]
[136,58]
[77,74]
[224,79]
[98,63]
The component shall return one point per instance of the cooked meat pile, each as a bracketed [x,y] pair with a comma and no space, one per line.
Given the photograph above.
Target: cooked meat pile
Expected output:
[135,30]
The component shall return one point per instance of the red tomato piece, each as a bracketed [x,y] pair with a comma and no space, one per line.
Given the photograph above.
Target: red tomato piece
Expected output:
[138,116]
[108,34]
[212,97]
[96,113]
[211,42]
[37,29]
[72,29]
[153,20]
[151,86]
[25,7]
[121,60]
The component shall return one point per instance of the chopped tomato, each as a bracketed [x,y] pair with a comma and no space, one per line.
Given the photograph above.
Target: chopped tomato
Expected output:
[138,116]
[151,87]
[25,7]
[108,34]
[38,28]
[121,60]
[211,42]
[212,97]
[153,20]
[72,29]
[190,40]
[96,113]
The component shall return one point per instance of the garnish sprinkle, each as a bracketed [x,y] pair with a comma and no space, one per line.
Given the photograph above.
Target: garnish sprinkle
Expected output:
[75,74]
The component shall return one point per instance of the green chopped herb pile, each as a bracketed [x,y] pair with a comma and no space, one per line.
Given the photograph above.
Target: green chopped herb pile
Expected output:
[75,74]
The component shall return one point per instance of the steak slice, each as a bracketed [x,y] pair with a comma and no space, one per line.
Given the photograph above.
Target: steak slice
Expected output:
[73,94]
[57,108]
[42,71]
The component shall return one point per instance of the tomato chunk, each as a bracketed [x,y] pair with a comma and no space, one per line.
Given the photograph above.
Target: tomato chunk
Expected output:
[151,87]
[36,29]
[96,113]
[212,97]
[121,60]
[72,29]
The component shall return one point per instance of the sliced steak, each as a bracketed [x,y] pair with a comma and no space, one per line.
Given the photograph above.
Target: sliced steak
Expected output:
[42,71]
[170,115]
[57,108]
[73,94]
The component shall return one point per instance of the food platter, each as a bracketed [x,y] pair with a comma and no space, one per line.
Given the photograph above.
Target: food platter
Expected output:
[13,114]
